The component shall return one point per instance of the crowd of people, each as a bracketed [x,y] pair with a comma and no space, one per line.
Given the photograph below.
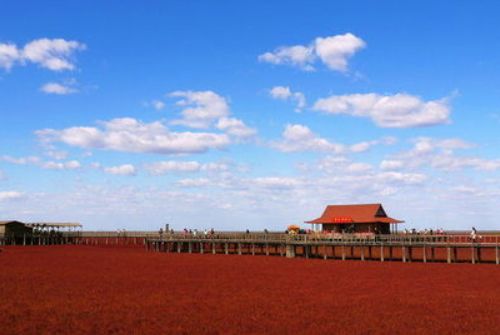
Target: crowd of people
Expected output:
[417,231]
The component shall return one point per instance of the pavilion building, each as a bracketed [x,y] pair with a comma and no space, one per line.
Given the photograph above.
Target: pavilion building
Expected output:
[370,218]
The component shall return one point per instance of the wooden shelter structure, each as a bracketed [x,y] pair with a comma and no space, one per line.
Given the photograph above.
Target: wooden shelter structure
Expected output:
[369,218]
[13,228]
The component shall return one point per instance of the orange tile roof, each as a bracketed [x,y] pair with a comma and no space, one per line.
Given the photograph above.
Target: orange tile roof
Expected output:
[354,214]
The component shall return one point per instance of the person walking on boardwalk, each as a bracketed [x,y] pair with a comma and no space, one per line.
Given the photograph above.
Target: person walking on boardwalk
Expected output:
[473,234]
[160,232]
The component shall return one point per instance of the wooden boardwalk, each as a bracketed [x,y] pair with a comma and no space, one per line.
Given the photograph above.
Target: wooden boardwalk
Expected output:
[404,248]
[436,248]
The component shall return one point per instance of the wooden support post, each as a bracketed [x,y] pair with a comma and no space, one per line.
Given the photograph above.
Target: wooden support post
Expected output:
[497,255]
[382,256]
[281,246]
[201,247]
[424,253]
[190,247]
[290,250]
[403,254]
[306,248]
[343,252]
[362,252]
[239,249]
[213,247]
[253,249]
[267,249]
[473,247]
[448,251]
[24,239]
[226,248]
[179,246]
[325,256]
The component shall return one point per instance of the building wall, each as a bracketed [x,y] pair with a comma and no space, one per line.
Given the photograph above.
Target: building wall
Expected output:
[15,228]
[359,227]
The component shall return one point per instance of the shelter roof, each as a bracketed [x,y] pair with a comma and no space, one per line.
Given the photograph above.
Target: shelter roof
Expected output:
[3,223]
[369,213]
[54,224]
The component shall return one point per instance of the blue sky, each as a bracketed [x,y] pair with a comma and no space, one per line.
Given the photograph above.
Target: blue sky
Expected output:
[248,114]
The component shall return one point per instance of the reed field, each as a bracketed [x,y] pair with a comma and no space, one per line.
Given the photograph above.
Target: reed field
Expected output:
[88,289]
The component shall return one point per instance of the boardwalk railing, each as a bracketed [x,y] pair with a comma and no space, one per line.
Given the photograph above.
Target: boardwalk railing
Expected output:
[402,247]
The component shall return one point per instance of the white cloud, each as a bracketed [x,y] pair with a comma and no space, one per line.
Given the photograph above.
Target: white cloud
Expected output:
[158,105]
[235,127]
[122,170]
[8,55]
[56,88]
[391,111]
[21,160]
[299,138]
[164,167]
[392,165]
[53,54]
[333,51]
[366,146]
[277,182]
[440,155]
[298,55]
[131,135]
[201,108]
[10,195]
[200,182]
[284,93]
[69,165]
[207,109]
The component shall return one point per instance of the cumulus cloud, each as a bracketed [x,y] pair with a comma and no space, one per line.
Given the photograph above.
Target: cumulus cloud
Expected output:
[9,54]
[285,93]
[56,88]
[122,170]
[70,165]
[235,127]
[298,55]
[201,108]
[35,160]
[158,105]
[53,54]
[10,195]
[20,160]
[334,52]
[299,138]
[164,167]
[207,109]
[440,155]
[392,165]
[131,135]
[390,111]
